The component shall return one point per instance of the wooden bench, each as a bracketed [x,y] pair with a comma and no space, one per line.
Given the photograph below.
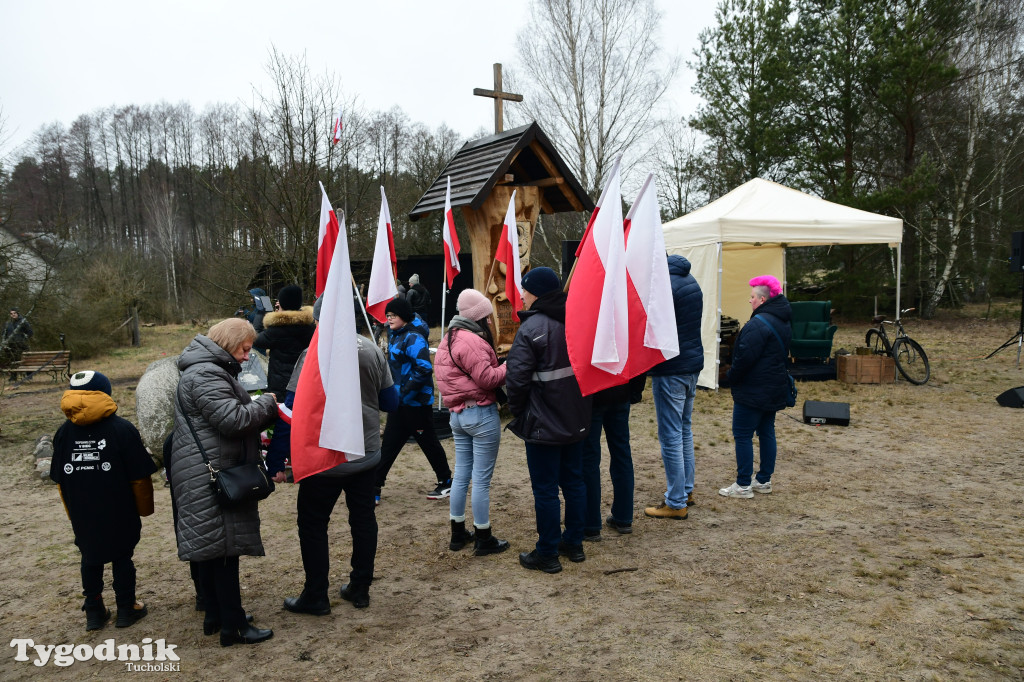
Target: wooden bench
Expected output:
[56,362]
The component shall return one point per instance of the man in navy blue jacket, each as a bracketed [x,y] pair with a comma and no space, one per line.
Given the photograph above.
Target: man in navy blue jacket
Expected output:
[674,386]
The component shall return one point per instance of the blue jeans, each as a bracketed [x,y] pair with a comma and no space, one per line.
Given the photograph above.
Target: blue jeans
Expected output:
[615,419]
[553,467]
[746,421]
[673,403]
[477,432]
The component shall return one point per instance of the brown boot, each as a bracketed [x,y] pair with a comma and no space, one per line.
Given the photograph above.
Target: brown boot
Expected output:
[663,511]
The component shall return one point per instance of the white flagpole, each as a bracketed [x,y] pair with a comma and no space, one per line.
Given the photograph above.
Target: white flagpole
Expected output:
[362,306]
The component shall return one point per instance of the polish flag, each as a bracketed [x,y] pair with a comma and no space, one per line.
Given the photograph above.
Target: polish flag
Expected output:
[652,337]
[328,237]
[597,326]
[385,265]
[508,253]
[450,238]
[327,415]
[337,128]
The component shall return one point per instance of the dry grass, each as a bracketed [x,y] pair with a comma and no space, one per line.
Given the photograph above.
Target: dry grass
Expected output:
[891,549]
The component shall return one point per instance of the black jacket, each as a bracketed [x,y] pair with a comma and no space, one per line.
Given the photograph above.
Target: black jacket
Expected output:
[758,372]
[286,334]
[543,394]
[419,299]
[689,305]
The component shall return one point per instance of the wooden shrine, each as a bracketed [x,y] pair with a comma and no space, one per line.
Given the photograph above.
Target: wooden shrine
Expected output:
[484,174]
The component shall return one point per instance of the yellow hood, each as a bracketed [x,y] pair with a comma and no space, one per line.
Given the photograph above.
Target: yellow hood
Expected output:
[87,407]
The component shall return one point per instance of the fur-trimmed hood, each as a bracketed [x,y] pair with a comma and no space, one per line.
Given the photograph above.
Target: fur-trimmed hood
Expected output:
[282,318]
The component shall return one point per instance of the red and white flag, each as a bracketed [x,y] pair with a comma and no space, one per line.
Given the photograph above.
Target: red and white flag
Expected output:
[450,238]
[326,240]
[597,326]
[508,253]
[336,135]
[385,265]
[327,415]
[652,337]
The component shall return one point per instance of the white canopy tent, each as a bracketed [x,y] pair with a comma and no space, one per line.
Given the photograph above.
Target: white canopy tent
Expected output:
[745,233]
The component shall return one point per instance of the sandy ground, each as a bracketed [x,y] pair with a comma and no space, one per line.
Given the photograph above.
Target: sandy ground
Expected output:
[890,549]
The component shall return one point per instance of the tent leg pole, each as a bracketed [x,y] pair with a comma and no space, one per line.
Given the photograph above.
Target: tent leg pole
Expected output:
[899,276]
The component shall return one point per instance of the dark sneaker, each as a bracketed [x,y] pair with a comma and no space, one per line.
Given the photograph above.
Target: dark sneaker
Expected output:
[126,617]
[620,528]
[592,536]
[535,562]
[573,553]
[443,490]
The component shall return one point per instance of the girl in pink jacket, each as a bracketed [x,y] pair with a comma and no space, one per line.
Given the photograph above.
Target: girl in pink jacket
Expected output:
[468,373]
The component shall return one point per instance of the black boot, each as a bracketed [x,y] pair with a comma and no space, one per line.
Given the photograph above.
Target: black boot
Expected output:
[96,614]
[131,614]
[246,635]
[460,536]
[486,543]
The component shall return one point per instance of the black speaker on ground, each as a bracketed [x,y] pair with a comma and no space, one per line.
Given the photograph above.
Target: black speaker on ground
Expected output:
[1016,249]
[1012,398]
[820,412]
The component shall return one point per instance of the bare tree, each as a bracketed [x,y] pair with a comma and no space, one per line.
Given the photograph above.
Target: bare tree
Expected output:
[591,73]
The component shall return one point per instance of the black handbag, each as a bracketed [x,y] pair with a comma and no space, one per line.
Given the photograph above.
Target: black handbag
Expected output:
[235,485]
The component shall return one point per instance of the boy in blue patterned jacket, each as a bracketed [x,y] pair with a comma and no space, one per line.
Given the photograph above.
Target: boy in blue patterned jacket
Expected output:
[412,372]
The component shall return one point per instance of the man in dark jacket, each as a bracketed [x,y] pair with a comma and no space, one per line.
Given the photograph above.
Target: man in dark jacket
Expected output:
[286,334]
[419,298]
[552,416]
[17,332]
[319,493]
[759,382]
[674,386]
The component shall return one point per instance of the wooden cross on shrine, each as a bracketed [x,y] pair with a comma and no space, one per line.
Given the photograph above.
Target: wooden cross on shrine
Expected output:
[498,95]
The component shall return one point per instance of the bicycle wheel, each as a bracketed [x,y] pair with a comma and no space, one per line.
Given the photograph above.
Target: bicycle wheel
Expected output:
[878,344]
[911,360]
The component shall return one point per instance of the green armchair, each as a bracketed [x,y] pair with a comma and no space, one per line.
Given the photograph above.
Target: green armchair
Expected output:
[812,330]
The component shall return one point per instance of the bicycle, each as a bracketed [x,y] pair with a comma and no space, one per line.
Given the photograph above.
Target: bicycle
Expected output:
[910,358]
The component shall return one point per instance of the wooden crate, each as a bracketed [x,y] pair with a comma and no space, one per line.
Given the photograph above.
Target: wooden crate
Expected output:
[865,369]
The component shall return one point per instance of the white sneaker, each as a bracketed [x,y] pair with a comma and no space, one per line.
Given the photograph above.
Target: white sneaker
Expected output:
[736,490]
[764,488]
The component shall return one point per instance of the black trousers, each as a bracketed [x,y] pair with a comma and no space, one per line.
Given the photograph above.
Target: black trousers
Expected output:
[316,500]
[219,580]
[416,421]
[124,581]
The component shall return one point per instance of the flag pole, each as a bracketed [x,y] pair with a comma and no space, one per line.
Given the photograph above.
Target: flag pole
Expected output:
[369,327]
[444,297]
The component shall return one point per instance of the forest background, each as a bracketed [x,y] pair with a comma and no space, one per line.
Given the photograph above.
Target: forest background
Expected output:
[910,108]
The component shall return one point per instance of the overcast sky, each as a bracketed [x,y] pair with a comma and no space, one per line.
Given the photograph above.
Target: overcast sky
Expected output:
[61,59]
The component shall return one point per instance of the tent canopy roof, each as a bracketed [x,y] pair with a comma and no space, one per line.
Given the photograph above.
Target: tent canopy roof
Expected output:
[764,212]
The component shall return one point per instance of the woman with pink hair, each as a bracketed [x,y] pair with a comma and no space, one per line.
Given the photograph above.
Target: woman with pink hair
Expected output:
[759,382]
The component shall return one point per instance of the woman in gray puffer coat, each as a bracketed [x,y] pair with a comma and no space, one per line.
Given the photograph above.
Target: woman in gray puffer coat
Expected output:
[228,423]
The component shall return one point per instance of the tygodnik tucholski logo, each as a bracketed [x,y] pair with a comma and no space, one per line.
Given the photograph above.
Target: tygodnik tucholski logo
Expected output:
[153,656]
